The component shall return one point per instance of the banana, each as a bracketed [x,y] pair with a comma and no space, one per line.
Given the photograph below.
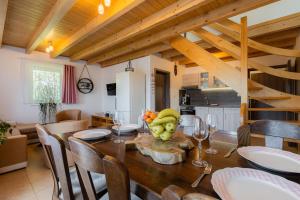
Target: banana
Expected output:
[168,112]
[168,119]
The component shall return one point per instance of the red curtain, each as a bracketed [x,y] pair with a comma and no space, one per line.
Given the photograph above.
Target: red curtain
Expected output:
[69,95]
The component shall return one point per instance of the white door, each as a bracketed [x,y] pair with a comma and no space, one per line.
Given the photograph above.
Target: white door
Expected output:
[219,114]
[231,119]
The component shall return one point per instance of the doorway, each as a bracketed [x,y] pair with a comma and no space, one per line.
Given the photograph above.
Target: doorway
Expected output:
[162,90]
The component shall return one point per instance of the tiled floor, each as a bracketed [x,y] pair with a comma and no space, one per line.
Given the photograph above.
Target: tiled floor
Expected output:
[33,183]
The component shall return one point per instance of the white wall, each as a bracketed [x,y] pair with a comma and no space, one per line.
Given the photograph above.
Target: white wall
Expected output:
[175,81]
[11,98]
[146,65]
[11,102]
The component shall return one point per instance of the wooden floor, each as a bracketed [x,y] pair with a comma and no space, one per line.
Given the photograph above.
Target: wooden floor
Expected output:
[33,183]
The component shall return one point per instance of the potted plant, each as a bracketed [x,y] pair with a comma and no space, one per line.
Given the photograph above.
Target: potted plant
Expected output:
[47,101]
[4,127]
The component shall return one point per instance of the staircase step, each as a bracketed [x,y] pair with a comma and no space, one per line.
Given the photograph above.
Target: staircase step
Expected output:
[253,88]
[295,122]
[275,109]
[270,98]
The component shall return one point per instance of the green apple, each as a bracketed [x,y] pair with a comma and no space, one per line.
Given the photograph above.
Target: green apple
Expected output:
[165,136]
[170,127]
[157,130]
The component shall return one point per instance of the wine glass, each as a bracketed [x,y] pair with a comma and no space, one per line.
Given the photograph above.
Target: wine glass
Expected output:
[118,120]
[200,133]
[211,122]
[141,121]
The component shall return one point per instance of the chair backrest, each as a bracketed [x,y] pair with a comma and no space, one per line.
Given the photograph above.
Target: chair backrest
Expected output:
[56,155]
[67,127]
[87,160]
[117,179]
[174,192]
[64,115]
[273,128]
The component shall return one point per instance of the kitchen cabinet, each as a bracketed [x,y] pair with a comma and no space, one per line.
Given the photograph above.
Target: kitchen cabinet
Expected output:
[231,119]
[189,80]
[201,112]
[219,114]
[228,119]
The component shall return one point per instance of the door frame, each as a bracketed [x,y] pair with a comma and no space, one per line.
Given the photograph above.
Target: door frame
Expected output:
[168,89]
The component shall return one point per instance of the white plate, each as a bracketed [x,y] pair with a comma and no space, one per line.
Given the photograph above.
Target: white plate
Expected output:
[92,134]
[274,159]
[250,184]
[127,128]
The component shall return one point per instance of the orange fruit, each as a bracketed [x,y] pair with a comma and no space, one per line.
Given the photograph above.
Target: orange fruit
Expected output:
[145,117]
[153,115]
[148,113]
[149,120]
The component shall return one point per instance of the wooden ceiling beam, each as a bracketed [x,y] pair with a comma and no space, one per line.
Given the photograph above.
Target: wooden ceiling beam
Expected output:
[174,10]
[217,14]
[138,54]
[116,10]
[57,12]
[3,11]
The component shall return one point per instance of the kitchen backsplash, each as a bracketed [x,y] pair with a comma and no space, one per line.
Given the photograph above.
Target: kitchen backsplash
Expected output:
[221,97]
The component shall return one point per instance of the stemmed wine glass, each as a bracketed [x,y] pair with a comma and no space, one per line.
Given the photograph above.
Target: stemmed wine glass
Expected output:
[200,133]
[118,120]
[211,122]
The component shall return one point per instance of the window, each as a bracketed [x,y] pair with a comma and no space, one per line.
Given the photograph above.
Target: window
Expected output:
[42,82]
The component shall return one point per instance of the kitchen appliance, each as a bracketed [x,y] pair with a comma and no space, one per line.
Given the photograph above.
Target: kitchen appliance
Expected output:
[189,96]
[187,115]
[130,95]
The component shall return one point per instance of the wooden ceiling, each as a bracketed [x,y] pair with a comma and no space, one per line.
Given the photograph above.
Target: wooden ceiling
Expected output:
[129,28]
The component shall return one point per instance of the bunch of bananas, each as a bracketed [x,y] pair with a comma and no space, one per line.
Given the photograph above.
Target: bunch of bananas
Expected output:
[165,124]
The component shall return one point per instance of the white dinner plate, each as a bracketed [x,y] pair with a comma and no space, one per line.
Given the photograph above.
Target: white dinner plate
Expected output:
[92,134]
[274,159]
[127,128]
[250,184]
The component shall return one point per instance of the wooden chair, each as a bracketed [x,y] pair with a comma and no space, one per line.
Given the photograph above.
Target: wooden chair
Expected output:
[174,192]
[67,127]
[68,115]
[66,182]
[275,132]
[88,160]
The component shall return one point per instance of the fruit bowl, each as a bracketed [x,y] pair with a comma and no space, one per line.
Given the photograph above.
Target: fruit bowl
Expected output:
[162,125]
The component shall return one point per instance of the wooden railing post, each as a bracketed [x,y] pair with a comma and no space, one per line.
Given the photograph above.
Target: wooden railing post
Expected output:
[244,66]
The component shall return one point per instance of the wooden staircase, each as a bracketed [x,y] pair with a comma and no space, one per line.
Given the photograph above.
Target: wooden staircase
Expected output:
[237,77]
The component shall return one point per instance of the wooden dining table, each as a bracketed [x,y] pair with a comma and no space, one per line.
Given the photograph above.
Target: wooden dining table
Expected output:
[149,178]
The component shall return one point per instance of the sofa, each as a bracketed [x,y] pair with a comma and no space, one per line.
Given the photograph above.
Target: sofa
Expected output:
[13,152]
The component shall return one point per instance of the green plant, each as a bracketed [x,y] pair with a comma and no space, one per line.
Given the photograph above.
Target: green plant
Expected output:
[4,127]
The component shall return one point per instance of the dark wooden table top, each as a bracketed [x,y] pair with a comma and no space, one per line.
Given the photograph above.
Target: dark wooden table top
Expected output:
[150,178]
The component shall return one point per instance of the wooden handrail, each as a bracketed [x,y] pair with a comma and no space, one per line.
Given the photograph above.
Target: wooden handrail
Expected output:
[235,52]
[234,32]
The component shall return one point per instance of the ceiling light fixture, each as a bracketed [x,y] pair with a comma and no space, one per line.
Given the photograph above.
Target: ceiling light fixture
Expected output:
[49,48]
[101,9]
[107,3]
